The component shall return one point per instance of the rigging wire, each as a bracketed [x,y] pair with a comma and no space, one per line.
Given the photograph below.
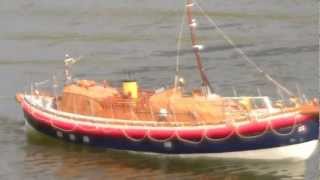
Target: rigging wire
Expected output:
[241,52]
[179,48]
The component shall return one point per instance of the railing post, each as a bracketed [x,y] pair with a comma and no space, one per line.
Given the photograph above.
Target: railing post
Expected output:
[151,111]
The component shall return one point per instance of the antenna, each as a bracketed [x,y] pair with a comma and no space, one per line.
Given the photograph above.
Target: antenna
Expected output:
[299,92]
[280,94]
[68,62]
[259,91]
[235,93]
[55,90]
[55,86]
[176,79]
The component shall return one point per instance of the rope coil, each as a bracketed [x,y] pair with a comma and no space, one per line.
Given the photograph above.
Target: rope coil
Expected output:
[134,139]
[173,135]
[190,141]
[292,130]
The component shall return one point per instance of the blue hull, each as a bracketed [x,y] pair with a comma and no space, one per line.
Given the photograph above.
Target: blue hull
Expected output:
[233,144]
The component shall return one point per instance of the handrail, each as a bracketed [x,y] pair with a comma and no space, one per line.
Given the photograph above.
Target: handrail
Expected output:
[133,122]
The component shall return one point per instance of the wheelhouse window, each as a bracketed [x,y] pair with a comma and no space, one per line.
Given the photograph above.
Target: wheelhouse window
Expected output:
[258,103]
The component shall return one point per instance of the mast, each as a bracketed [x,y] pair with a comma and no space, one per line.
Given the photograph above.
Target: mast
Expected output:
[196,47]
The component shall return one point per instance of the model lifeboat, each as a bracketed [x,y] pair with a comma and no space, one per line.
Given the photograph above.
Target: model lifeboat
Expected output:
[173,121]
[168,121]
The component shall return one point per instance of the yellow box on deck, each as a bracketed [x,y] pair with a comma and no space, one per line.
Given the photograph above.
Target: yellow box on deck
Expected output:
[130,88]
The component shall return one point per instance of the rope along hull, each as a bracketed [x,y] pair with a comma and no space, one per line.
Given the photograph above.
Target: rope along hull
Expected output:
[305,130]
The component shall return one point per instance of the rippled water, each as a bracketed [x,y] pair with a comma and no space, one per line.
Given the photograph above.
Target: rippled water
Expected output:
[139,37]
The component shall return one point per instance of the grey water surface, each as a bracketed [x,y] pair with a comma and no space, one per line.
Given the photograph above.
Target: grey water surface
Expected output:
[139,37]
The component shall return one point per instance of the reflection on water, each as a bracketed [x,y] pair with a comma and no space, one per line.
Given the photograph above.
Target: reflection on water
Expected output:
[63,160]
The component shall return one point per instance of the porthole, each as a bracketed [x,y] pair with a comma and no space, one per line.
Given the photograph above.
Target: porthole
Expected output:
[72,137]
[167,145]
[85,139]
[59,134]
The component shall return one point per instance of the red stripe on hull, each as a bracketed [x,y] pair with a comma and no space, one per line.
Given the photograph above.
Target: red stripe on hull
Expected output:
[161,133]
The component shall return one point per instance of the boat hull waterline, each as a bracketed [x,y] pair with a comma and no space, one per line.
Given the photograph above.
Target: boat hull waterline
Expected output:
[289,136]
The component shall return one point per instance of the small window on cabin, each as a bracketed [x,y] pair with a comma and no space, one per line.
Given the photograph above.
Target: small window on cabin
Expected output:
[258,103]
